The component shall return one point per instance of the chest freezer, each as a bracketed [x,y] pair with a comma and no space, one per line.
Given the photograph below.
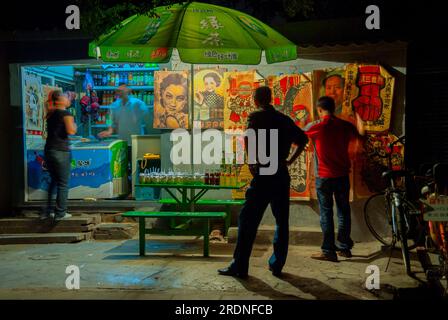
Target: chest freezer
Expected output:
[98,170]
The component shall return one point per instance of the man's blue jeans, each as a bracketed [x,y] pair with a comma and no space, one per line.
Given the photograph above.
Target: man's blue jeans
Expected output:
[58,164]
[326,188]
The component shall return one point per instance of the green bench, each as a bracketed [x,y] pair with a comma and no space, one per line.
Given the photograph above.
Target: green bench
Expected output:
[212,202]
[204,231]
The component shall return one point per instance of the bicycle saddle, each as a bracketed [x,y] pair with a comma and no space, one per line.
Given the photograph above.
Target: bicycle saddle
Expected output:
[395,174]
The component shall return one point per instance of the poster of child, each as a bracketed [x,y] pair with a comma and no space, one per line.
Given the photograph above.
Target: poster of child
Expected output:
[209,98]
[171,99]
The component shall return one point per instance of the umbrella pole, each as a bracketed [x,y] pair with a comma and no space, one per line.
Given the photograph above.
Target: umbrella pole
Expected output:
[191,116]
[192,193]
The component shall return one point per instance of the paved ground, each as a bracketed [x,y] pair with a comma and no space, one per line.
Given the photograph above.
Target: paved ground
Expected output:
[175,269]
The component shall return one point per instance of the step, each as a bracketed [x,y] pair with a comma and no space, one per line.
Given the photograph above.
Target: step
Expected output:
[115,231]
[43,238]
[28,225]
[30,222]
[46,228]
[297,235]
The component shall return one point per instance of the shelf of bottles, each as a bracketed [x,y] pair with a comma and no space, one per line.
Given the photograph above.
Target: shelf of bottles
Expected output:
[140,80]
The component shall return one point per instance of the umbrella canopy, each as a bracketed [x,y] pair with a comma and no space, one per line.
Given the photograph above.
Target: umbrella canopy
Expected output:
[202,33]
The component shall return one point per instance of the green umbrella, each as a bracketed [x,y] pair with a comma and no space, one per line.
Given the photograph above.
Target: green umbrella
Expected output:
[202,33]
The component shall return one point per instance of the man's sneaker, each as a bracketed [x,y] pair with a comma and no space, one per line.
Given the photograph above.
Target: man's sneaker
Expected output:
[324,257]
[344,253]
[46,216]
[64,217]
[275,272]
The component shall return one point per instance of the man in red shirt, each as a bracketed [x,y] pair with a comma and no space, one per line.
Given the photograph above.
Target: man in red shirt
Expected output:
[331,137]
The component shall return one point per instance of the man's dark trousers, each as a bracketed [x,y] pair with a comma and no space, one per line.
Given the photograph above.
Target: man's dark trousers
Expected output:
[264,190]
[339,188]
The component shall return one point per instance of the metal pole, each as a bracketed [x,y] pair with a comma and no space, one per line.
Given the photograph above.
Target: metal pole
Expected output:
[191,131]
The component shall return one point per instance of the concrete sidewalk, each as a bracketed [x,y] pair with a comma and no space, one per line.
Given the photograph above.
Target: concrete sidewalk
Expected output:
[175,269]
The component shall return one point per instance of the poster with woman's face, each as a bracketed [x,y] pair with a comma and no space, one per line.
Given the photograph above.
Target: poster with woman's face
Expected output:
[32,98]
[209,98]
[171,99]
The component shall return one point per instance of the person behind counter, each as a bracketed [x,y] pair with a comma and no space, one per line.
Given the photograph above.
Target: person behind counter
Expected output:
[130,116]
[60,124]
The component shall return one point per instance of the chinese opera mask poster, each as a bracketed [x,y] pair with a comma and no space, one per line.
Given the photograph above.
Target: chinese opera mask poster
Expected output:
[171,99]
[209,98]
[238,99]
[369,92]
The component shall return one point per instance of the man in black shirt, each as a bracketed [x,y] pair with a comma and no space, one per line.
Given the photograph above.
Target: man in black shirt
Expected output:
[267,189]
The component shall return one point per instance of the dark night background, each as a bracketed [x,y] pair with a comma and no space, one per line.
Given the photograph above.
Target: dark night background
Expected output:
[35,30]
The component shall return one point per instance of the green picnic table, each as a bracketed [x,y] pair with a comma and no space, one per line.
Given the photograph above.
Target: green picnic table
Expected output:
[187,203]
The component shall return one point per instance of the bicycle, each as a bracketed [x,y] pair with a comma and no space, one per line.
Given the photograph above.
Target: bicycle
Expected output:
[436,216]
[388,214]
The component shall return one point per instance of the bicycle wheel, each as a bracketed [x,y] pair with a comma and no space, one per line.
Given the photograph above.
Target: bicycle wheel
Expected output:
[377,214]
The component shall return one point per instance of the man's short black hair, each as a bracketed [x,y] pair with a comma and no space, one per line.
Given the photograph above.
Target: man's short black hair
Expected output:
[326,103]
[263,95]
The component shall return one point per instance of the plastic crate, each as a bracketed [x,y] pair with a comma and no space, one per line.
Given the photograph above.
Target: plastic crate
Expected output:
[146,193]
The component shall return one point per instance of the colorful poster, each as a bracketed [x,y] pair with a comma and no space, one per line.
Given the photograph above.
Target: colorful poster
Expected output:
[369,92]
[209,98]
[293,96]
[330,82]
[171,96]
[373,161]
[33,104]
[238,99]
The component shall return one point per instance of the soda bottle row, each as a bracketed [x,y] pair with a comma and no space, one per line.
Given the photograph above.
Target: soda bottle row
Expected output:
[146,96]
[224,179]
[107,97]
[131,78]
[216,178]
[103,117]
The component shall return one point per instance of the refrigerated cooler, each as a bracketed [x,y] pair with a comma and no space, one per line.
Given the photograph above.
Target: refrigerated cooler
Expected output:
[98,170]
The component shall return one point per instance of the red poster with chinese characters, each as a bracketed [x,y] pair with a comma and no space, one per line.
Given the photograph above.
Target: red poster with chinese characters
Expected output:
[369,92]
